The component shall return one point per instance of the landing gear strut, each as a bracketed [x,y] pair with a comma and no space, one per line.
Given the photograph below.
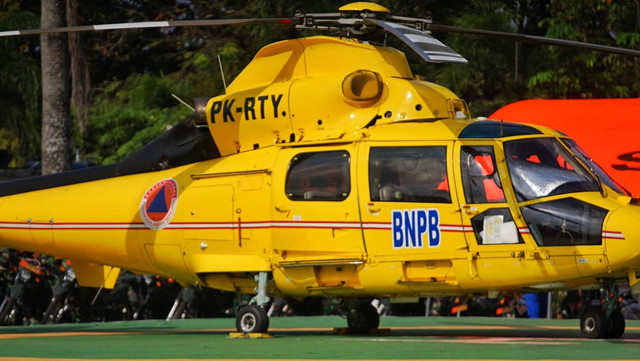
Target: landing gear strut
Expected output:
[605,320]
[252,318]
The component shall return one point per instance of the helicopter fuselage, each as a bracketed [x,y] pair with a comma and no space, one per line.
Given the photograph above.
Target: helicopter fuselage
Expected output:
[317,217]
[352,179]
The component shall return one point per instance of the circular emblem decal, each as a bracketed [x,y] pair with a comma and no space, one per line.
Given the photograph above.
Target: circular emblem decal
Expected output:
[159,203]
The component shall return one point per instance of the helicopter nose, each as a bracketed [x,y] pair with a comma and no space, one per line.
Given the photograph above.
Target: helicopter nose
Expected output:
[621,238]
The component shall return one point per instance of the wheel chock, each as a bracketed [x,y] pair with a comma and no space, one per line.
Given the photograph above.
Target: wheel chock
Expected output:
[249,335]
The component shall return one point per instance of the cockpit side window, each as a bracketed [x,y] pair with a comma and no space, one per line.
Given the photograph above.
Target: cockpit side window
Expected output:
[565,222]
[319,176]
[409,174]
[480,177]
[541,167]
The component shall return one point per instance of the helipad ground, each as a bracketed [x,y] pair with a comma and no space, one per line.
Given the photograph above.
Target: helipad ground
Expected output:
[313,338]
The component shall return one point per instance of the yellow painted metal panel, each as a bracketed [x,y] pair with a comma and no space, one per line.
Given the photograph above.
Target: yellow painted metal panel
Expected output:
[93,275]
[216,263]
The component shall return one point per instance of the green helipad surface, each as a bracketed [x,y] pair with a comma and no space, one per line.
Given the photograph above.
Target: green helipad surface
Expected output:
[312,338]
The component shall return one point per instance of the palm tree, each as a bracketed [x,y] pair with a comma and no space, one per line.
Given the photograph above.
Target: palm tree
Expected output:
[56,91]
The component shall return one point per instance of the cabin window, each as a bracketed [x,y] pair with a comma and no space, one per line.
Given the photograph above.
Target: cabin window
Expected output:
[541,167]
[319,176]
[480,177]
[495,226]
[565,222]
[409,174]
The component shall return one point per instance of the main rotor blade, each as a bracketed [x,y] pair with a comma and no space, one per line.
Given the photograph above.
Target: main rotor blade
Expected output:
[150,24]
[428,47]
[535,39]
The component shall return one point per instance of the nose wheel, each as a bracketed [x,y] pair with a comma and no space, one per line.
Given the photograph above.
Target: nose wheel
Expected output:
[592,324]
[605,321]
[615,325]
[595,324]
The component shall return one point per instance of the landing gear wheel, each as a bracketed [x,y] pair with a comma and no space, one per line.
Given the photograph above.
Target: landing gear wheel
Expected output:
[252,319]
[593,324]
[615,325]
[363,319]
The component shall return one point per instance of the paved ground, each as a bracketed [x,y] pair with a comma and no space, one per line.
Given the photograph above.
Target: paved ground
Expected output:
[312,338]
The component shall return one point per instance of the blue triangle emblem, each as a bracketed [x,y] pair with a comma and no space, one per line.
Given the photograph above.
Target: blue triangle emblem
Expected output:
[158,204]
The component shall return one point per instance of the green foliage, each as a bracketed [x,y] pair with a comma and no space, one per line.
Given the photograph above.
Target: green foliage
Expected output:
[19,86]
[584,74]
[488,80]
[134,73]
[132,112]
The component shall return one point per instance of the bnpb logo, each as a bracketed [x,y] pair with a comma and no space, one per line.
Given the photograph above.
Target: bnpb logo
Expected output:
[159,204]
[410,226]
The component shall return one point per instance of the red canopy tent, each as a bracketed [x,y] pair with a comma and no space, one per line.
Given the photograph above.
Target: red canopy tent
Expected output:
[606,129]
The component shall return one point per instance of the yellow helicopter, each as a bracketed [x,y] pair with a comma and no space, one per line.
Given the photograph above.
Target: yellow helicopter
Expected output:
[351,178]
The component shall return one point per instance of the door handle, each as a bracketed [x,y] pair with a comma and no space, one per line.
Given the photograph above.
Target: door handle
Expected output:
[469,209]
[283,209]
[372,209]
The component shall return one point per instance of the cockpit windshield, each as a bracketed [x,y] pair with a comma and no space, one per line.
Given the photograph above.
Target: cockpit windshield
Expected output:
[541,167]
[593,167]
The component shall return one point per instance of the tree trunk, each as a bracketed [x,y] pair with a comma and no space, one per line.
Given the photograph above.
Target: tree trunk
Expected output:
[79,69]
[56,91]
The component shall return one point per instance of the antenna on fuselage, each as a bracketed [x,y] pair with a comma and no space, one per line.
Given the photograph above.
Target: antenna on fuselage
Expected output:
[183,102]
[224,82]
